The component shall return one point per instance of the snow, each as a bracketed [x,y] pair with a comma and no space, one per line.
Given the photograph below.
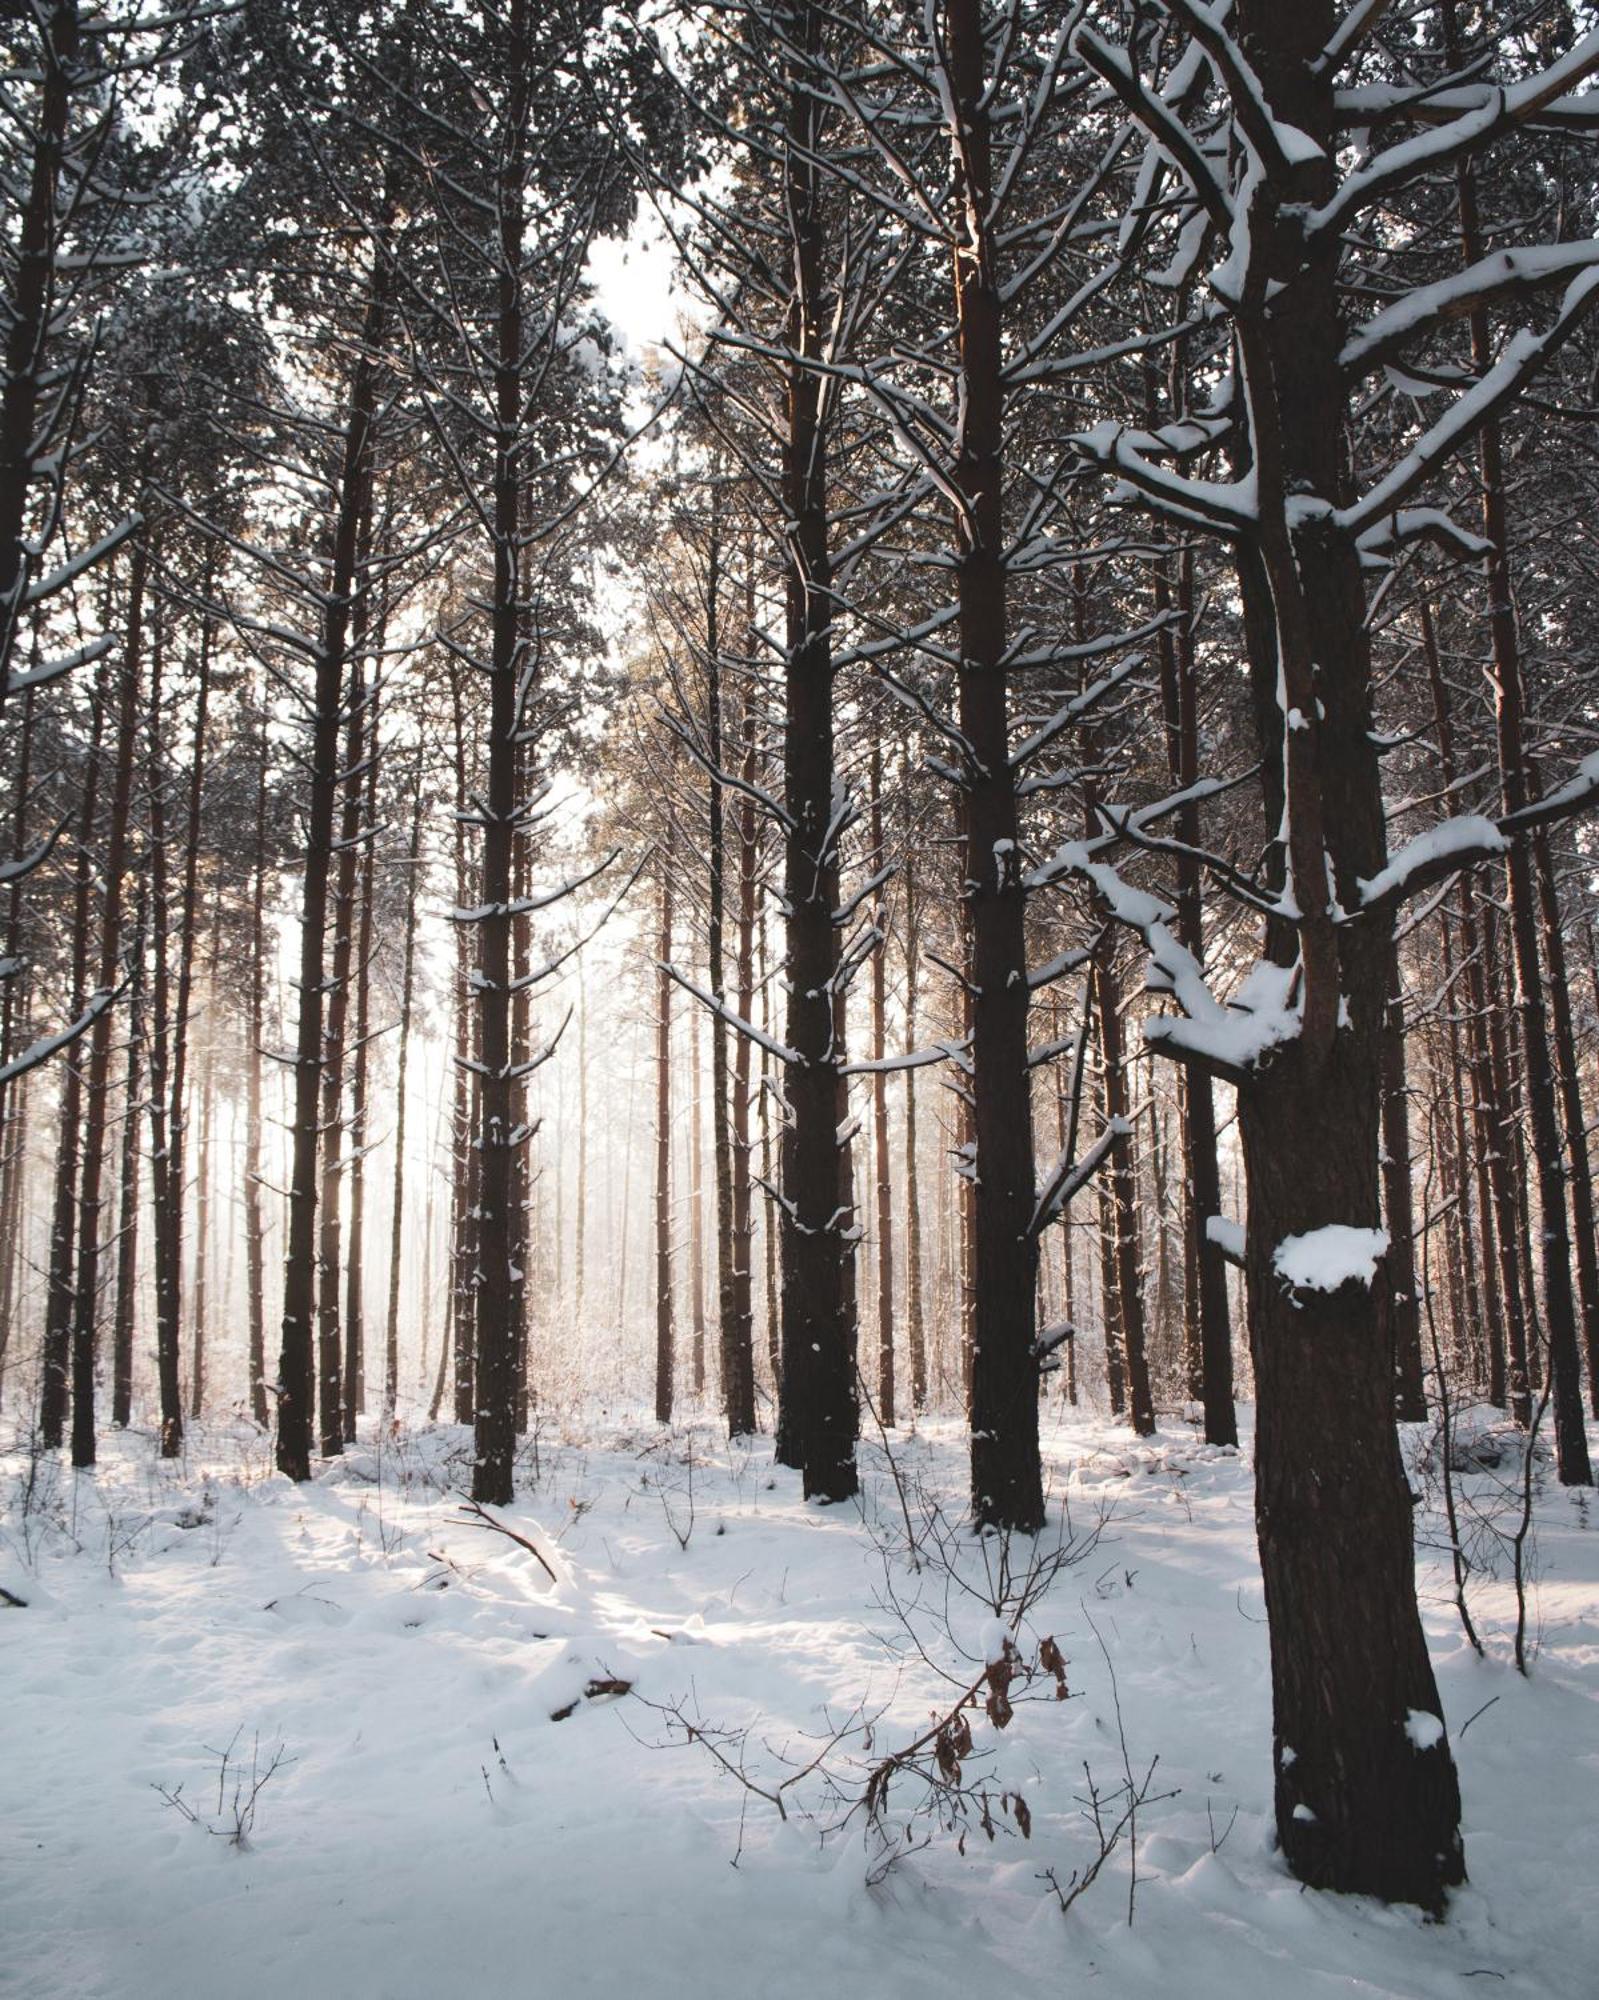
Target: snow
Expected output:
[1468,838]
[1227,1235]
[1323,1259]
[1426,1731]
[434,1830]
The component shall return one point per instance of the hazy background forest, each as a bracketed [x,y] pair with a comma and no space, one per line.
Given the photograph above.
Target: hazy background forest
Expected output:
[782,753]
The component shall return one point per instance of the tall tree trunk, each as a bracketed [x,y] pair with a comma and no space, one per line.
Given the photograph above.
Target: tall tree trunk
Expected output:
[331,1386]
[28,316]
[166,1186]
[696,1206]
[1360,1805]
[202,1225]
[97,1104]
[463,1225]
[736,1355]
[1495,1205]
[1560,1316]
[297,1366]
[1409,1391]
[665,1341]
[501,1294]
[818,1412]
[1007,1476]
[739,1324]
[60,1297]
[581,1204]
[879,1050]
[354,1400]
[169,1212]
[255,1027]
[1124,1197]
[125,1308]
[915,1311]
[1578,1171]
[391,1329]
[1206,1317]
[770,1229]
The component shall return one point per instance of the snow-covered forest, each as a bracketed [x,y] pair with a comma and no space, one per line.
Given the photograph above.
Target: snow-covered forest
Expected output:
[799,996]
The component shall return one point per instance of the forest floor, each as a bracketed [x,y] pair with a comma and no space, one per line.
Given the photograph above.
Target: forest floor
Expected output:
[385,1678]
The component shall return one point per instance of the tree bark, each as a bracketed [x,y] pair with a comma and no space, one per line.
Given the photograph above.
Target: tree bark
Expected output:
[1007,1476]
[501,1297]
[297,1364]
[60,1295]
[97,1104]
[1362,1806]
[818,1412]
[665,1337]
[391,1328]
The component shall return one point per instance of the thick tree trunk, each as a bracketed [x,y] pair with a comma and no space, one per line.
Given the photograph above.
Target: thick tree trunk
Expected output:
[1007,1477]
[1366,1793]
[501,1297]
[818,1412]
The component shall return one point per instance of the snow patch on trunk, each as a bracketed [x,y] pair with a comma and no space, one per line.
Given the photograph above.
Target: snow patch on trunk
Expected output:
[1323,1259]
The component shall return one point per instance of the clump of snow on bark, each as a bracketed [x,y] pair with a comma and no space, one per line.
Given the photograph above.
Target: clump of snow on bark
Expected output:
[1426,1731]
[1323,1259]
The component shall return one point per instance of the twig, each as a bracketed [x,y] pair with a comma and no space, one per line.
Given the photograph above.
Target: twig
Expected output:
[480,1517]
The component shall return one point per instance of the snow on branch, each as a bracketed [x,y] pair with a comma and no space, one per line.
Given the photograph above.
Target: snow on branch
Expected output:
[525,906]
[1441,850]
[1506,274]
[1070,1177]
[49,1045]
[1224,507]
[1501,109]
[735,1020]
[1523,355]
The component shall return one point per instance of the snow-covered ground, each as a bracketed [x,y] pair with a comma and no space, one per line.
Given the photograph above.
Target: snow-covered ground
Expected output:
[432,1828]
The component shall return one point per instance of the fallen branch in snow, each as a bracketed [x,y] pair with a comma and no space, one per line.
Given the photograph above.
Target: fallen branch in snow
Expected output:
[480,1517]
[603,1687]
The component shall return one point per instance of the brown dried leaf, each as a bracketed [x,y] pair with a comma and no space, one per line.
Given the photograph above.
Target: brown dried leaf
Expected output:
[1053,1661]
